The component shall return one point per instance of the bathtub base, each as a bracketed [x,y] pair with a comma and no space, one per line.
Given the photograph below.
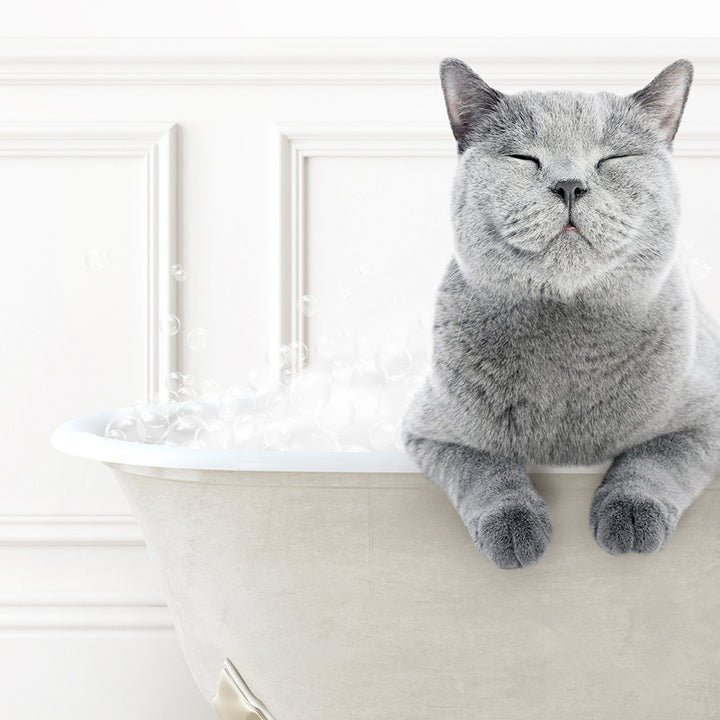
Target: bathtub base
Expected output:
[233,699]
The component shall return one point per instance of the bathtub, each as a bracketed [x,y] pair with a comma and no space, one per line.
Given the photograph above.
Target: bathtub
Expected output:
[343,586]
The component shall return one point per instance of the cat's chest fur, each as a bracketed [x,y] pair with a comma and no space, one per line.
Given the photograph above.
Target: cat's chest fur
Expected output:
[556,382]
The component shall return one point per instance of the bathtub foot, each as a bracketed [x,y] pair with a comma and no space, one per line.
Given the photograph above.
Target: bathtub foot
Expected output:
[233,699]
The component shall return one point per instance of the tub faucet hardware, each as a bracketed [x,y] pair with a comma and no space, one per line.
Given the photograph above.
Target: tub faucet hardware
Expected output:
[233,699]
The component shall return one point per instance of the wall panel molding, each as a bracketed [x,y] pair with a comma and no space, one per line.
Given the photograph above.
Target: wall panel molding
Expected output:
[298,144]
[379,61]
[155,145]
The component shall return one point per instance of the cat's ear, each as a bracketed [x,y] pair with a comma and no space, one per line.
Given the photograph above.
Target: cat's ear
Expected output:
[665,96]
[467,98]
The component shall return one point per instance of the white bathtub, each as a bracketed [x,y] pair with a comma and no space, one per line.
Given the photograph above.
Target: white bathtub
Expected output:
[345,587]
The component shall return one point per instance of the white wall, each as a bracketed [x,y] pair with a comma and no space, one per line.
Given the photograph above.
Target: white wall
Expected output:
[256,164]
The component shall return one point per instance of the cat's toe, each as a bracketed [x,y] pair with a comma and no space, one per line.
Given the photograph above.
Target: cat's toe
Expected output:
[514,534]
[622,522]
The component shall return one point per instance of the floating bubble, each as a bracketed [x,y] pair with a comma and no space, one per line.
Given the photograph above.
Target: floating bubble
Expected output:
[178,272]
[197,339]
[364,269]
[170,325]
[309,392]
[278,357]
[308,305]
[152,426]
[344,294]
[121,427]
[174,381]
[96,260]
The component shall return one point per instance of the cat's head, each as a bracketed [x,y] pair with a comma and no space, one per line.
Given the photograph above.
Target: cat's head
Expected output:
[560,191]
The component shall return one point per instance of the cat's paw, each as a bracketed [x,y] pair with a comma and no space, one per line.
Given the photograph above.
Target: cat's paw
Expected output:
[624,521]
[513,533]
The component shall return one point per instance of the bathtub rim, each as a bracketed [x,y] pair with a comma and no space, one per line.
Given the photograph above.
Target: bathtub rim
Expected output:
[85,437]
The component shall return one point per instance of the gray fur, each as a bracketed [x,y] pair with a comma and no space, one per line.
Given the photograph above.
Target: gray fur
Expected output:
[567,347]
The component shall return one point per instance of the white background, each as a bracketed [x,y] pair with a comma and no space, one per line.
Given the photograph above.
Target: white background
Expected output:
[83,628]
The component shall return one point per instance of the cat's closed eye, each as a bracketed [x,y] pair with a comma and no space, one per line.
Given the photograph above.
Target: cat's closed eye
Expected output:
[527,158]
[615,157]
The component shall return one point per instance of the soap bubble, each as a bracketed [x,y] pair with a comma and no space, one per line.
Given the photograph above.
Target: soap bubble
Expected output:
[234,400]
[308,305]
[311,438]
[174,381]
[96,260]
[364,269]
[197,339]
[382,436]
[245,432]
[262,381]
[309,392]
[210,391]
[152,425]
[186,394]
[341,373]
[298,353]
[184,427]
[276,404]
[338,415]
[179,273]
[214,433]
[394,359]
[278,357]
[344,294]
[120,427]
[275,435]
[170,325]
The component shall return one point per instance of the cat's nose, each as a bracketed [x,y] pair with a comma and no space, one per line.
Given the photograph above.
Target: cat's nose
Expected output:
[569,190]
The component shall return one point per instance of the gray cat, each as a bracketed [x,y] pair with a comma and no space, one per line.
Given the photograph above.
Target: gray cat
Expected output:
[566,331]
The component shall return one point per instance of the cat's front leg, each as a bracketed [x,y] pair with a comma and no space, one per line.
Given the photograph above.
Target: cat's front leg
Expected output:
[506,516]
[647,488]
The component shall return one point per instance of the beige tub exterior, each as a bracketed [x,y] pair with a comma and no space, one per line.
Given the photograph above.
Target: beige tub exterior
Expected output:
[360,596]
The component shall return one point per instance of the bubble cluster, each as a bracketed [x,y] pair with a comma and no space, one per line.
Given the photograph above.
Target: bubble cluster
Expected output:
[347,392]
